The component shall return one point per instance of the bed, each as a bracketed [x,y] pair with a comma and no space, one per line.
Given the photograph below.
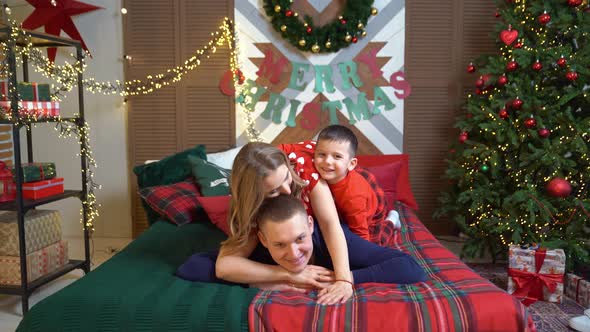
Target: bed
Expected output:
[136,290]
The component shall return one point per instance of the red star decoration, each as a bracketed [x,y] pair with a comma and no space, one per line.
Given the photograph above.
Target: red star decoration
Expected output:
[57,18]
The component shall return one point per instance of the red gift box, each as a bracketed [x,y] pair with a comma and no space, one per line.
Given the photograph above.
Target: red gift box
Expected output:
[40,189]
[38,109]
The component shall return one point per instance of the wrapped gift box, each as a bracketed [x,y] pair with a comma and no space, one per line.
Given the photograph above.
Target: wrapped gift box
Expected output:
[40,189]
[523,269]
[39,263]
[578,289]
[28,91]
[37,109]
[37,171]
[42,228]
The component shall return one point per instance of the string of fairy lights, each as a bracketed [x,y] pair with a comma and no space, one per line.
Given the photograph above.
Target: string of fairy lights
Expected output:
[66,77]
[486,213]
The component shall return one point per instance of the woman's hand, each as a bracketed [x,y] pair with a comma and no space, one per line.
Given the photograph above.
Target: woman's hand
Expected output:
[312,276]
[338,292]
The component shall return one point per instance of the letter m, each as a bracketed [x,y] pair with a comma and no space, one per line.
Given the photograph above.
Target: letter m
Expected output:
[271,69]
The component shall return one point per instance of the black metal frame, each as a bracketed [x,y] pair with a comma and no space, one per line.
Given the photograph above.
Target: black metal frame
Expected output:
[23,205]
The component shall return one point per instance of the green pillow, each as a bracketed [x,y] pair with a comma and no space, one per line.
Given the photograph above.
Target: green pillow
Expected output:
[171,169]
[213,180]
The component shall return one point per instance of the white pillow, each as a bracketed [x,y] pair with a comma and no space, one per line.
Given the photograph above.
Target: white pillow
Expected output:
[225,158]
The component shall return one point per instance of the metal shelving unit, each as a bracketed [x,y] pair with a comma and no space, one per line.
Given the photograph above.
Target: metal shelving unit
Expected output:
[21,205]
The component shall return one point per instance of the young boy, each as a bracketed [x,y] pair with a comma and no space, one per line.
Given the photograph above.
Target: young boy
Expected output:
[290,239]
[358,197]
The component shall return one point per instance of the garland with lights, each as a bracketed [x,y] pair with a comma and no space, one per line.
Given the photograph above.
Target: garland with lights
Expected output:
[332,37]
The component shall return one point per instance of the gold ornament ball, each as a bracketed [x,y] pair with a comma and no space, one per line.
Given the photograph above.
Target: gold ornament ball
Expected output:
[328,44]
[360,25]
[348,38]
[374,11]
[283,28]
[305,24]
[302,42]
[364,33]
[296,14]
[277,8]
[315,48]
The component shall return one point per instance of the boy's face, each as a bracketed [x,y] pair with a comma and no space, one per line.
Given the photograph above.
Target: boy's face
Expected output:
[332,160]
[289,242]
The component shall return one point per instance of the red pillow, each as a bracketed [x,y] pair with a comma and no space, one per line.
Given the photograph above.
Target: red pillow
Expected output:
[217,208]
[391,171]
[176,202]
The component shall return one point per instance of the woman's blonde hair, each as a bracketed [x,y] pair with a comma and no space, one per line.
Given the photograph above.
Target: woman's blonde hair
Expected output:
[254,162]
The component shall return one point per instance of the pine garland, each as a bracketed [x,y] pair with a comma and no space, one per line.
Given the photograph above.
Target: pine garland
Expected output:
[332,37]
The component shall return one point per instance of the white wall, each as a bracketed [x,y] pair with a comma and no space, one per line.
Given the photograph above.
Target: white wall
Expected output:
[102,32]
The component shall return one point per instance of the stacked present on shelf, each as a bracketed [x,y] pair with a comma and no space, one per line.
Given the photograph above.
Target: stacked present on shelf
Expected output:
[45,249]
[34,100]
[536,274]
[40,180]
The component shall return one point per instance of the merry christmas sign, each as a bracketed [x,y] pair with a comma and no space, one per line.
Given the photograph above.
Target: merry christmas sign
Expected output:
[288,91]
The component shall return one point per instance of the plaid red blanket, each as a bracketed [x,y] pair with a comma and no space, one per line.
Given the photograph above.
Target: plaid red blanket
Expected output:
[454,299]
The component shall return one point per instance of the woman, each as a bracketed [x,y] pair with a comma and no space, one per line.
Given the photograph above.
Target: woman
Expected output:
[261,171]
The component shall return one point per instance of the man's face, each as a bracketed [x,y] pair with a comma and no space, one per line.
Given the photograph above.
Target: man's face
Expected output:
[289,242]
[332,160]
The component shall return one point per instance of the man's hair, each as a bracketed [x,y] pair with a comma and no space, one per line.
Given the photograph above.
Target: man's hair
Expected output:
[279,209]
[340,133]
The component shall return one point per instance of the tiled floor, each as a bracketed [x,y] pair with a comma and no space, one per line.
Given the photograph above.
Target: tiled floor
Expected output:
[101,249]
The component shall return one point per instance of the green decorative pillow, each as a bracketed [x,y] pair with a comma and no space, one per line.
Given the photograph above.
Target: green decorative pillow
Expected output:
[171,169]
[213,180]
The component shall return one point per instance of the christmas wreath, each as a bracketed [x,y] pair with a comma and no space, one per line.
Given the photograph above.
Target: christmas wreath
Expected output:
[340,33]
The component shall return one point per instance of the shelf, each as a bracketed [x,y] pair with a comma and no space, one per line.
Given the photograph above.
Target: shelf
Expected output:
[17,290]
[31,203]
[39,39]
[72,119]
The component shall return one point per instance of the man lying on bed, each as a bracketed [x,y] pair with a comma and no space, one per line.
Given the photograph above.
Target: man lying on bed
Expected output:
[290,239]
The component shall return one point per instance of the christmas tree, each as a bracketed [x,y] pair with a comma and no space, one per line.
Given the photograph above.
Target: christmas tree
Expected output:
[519,171]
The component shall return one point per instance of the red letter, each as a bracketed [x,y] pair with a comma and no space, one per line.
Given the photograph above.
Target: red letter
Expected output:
[400,84]
[310,118]
[226,84]
[370,59]
[272,70]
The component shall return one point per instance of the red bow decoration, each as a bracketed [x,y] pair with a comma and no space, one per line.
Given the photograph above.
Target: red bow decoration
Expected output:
[529,285]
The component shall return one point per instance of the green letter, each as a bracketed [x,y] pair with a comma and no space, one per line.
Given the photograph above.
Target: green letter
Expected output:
[358,111]
[254,97]
[381,99]
[292,113]
[349,73]
[297,74]
[275,105]
[323,73]
[332,107]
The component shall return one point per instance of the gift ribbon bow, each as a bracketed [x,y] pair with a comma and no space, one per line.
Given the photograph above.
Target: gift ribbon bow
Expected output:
[529,285]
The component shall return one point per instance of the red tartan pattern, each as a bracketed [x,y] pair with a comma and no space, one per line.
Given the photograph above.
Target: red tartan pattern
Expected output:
[176,202]
[454,299]
[380,230]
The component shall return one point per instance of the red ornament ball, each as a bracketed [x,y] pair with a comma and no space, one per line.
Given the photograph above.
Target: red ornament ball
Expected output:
[308,30]
[517,103]
[502,80]
[463,137]
[289,13]
[574,3]
[530,123]
[471,68]
[342,21]
[480,82]
[544,18]
[544,132]
[355,39]
[503,114]
[537,66]
[571,76]
[478,91]
[497,14]
[559,187]
[561,62]
[518,45]
[512,65]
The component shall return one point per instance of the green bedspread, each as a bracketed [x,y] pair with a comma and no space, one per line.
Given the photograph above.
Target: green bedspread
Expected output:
[137,291]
